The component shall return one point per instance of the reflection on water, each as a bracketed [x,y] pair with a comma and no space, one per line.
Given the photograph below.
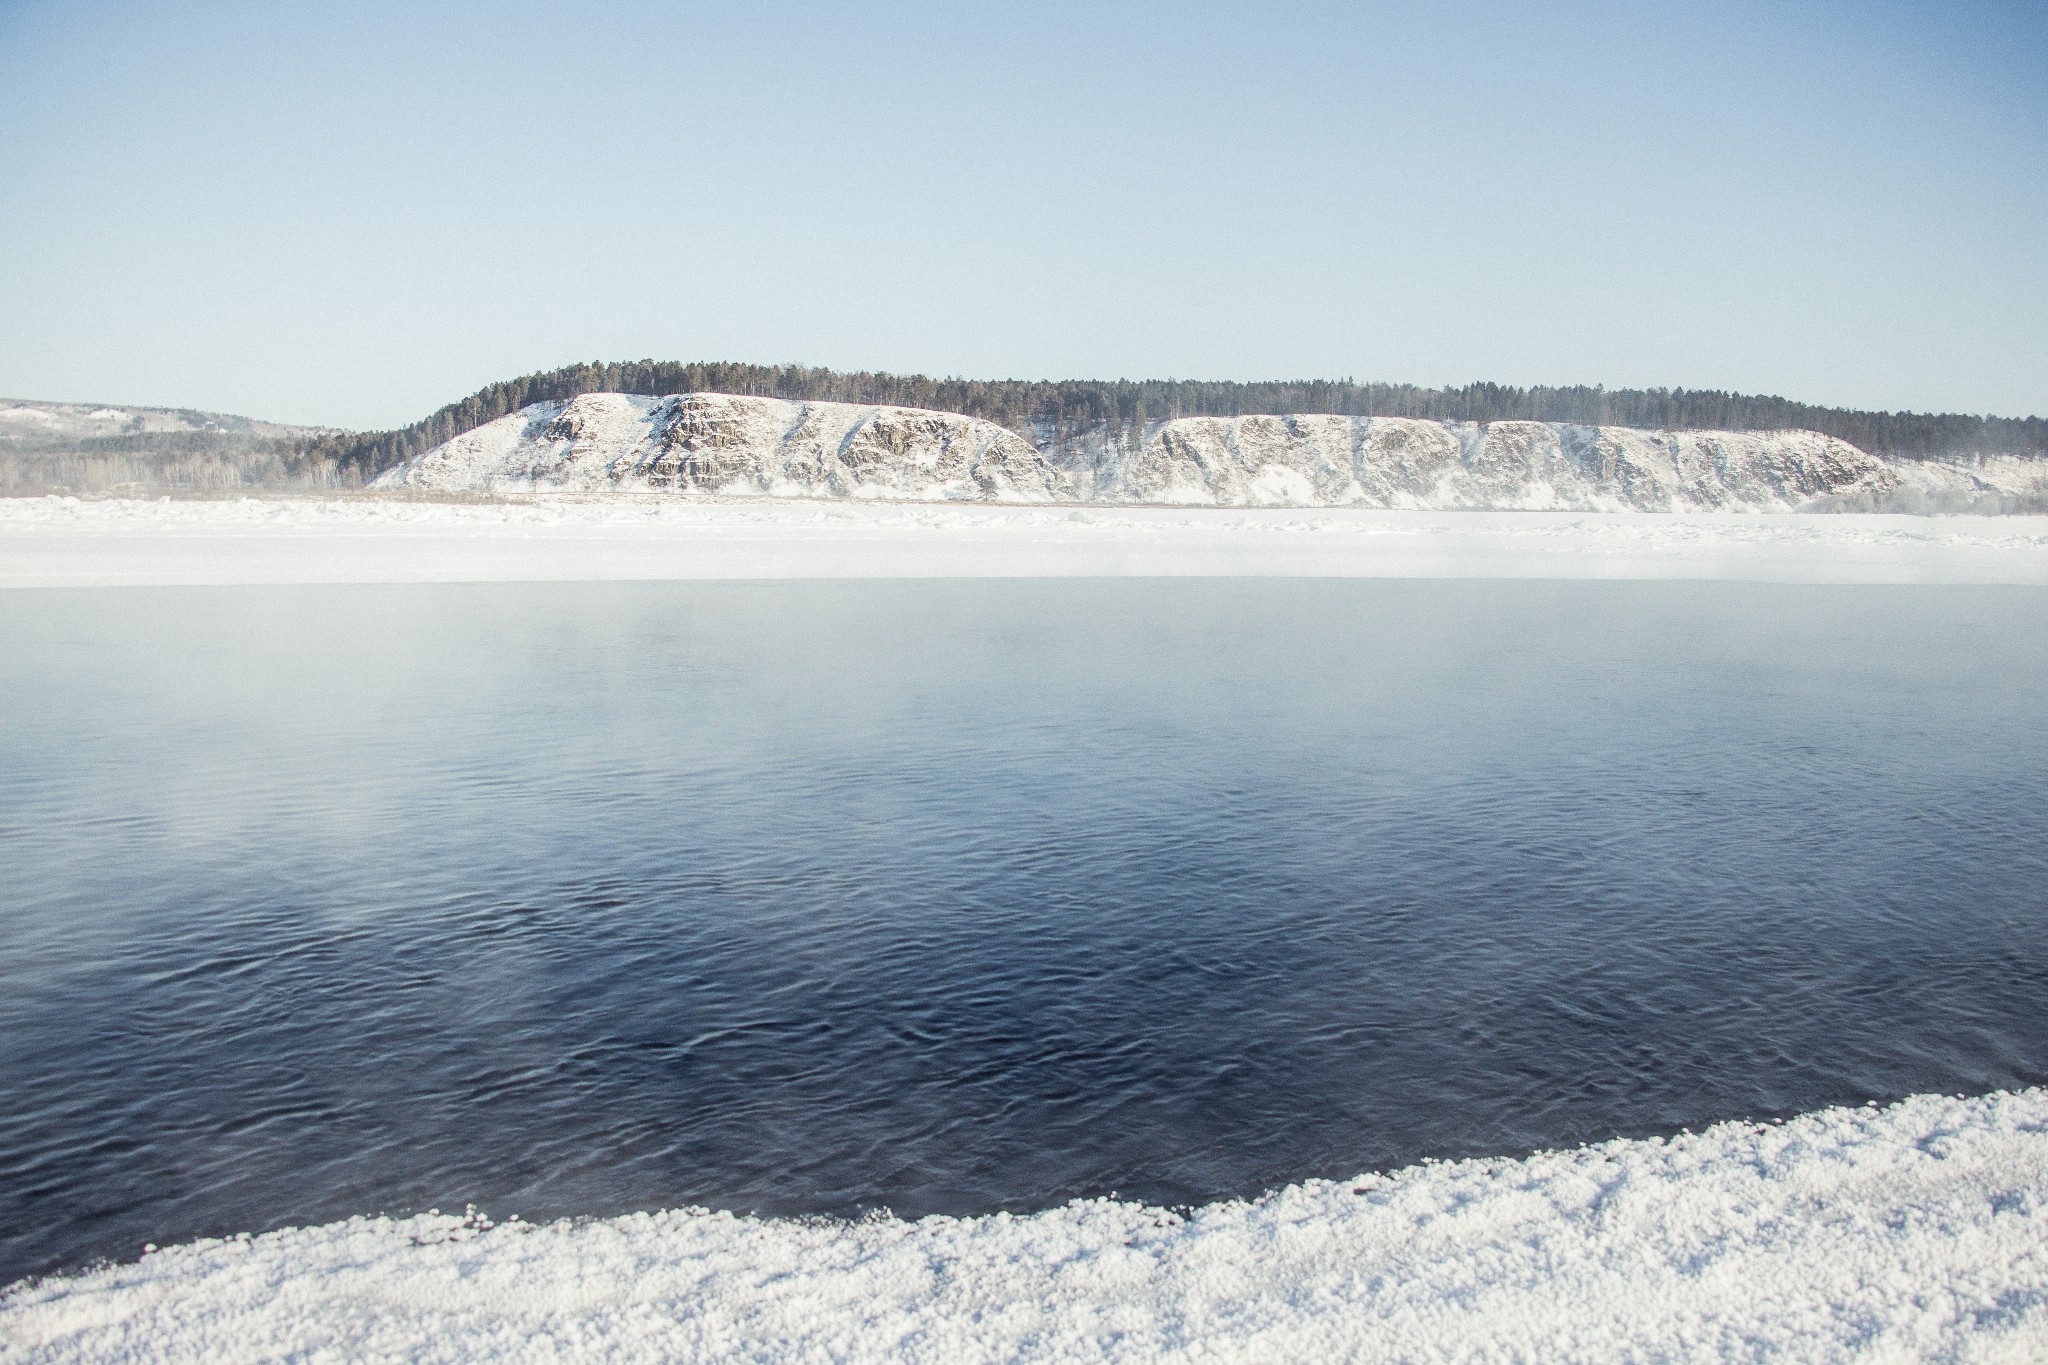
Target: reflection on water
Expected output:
[962,896]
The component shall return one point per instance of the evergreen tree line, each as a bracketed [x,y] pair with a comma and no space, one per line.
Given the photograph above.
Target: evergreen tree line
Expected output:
[1054,410]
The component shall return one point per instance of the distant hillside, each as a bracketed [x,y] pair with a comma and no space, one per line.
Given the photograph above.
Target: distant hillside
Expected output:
[1050,413]
[98,447]
[86,448]
[725,445]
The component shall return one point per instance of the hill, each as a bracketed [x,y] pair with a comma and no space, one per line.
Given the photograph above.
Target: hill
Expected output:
[1050,413]
[85,447]
[727,445]
[93,447]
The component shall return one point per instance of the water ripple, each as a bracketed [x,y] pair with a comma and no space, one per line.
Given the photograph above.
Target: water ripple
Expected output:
[814,898]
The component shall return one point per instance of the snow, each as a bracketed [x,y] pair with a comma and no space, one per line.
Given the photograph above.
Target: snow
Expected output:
[34,416]
[729,444]
[1911,1232]
[24,422]
[67,542]
[711,444]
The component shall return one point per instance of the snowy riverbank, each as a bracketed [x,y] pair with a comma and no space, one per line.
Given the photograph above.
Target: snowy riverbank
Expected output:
[1916,1231]
[65,542]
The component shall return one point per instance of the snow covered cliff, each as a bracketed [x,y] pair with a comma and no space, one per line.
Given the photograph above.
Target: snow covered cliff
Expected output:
[718,443]
[723,444]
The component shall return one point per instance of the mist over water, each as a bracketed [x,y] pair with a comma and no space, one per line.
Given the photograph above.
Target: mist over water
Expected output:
[957,896]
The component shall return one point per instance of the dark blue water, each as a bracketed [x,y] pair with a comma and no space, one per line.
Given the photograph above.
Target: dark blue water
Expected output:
[964,896]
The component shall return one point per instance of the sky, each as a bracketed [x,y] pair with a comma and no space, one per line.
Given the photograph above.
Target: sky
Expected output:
[352,214]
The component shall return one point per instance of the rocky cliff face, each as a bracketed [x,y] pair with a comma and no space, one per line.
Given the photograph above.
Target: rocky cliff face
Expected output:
[721,444]
[709,443]
[1400,462]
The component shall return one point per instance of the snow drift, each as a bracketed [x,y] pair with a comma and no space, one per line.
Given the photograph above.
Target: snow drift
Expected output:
[723,444]
[1918,1231]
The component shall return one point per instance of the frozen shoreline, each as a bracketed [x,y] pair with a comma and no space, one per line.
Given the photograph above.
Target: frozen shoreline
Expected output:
[1915,1231]
[65,542]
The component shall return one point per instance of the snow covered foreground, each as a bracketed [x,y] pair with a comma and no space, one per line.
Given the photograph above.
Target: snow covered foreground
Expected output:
[1917,1231]
[66,542]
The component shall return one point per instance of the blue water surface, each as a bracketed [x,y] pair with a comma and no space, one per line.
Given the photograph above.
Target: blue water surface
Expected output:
[962,896]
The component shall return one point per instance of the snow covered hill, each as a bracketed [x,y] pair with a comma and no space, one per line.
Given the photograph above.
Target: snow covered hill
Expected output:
[36,426]
[717,443]
[723,444]
[97,448]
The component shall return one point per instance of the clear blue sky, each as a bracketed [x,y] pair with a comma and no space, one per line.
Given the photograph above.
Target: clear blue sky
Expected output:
[352,214]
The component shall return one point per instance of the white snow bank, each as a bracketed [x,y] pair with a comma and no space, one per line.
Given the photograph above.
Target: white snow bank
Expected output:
[1912,1232]
[65,542]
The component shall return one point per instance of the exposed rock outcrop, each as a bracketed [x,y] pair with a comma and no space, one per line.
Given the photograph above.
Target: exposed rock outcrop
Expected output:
[726,444]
